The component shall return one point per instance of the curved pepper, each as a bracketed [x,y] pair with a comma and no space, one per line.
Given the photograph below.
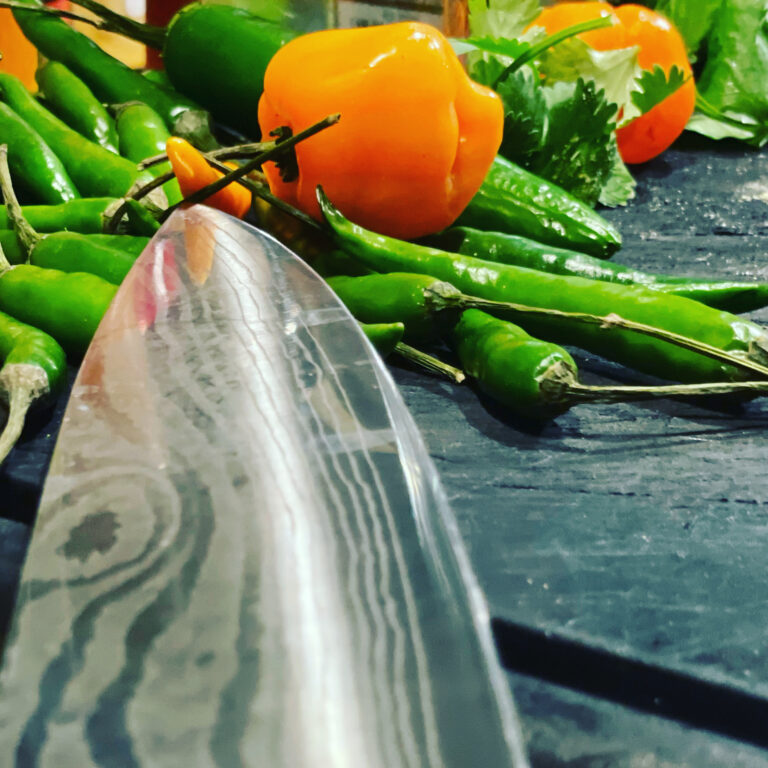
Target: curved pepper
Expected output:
[416,136]
[193,173]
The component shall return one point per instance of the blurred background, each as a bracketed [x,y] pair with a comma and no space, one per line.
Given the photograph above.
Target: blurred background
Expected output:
[20,58]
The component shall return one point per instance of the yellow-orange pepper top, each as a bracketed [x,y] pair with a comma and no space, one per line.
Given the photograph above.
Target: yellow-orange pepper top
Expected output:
[416,136]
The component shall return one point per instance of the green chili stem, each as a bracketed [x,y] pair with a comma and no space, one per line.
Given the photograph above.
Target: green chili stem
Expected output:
[29,238]
[239,173]
[115,22]
[5,265]
[112,223]
[123,25]
[20,396]
[97,23]
[262,190]
[549,41]
[613,320]
[429,363]
[238,151]
[151,186]
[583,393]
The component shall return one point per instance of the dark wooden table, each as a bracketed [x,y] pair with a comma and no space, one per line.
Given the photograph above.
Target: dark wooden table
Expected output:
[621,548]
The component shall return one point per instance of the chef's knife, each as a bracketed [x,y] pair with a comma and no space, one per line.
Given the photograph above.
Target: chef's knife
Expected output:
[243,554]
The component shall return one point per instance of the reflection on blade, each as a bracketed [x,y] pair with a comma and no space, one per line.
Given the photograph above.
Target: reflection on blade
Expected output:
[243,555]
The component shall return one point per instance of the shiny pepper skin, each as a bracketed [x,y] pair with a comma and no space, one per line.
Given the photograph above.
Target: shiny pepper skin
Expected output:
[193,173]
[416,136]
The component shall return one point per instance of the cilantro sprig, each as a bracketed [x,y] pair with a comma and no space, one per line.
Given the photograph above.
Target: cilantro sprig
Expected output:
[562,99]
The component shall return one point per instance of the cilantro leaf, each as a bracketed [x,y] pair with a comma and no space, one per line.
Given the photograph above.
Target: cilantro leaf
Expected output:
[654,85]
[613,71]
[619,187]
[525,116]
[735,71]
[576,152]
[693,19]
[499,46]
[711,122]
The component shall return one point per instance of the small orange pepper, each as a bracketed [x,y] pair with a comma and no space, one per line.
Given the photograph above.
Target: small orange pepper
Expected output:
[416,136]
[659,42]
[193,173]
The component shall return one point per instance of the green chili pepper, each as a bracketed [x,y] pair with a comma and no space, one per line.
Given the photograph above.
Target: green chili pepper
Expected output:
[74,252]
[95,170]
[142,134]
[218,55]
[384,336]
[34,366]
[109,79]
[67,305]
[39,172]
[517,202]
[65,251]
[397,297]
[12,247]
[71,99]
[523,373]
[502,282]
[160,78]
[81,215]
[731,295]
[539,380]
[16,253]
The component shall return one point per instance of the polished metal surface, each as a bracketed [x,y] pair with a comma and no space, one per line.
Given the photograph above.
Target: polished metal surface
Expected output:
[243,555]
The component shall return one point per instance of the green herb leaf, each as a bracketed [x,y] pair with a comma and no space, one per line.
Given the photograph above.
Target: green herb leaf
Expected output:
[507,18]
[526,115]
[619,187]
[499,46]
[614,72]
[714,124]
[735,73]
[655,85]
[693,19]
[576,152]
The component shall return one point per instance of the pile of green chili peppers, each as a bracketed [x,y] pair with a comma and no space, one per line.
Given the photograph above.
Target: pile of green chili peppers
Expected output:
[522,272]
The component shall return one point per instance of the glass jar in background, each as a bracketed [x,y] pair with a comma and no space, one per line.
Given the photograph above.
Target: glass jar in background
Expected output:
[19,55]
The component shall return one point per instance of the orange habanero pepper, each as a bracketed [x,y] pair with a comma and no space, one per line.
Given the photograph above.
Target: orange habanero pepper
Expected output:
[416,136]
[659,42]
[194,173]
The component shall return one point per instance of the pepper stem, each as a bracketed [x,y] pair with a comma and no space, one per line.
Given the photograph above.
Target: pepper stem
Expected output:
[557,37]
[62,14]
[463,301]
[583,393]
[237,151]
[429,363]
[5,265]
[23,384]
[28,237]
[276,149]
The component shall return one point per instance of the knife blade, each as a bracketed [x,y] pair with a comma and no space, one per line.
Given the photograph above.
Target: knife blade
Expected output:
[243,554]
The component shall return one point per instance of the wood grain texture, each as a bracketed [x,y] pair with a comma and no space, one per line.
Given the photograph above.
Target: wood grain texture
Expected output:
[637,530]
[243,555]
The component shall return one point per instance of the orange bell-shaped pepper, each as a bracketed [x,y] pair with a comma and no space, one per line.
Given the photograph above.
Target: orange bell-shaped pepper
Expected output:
[416,136]
[193,173]
[659,44]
